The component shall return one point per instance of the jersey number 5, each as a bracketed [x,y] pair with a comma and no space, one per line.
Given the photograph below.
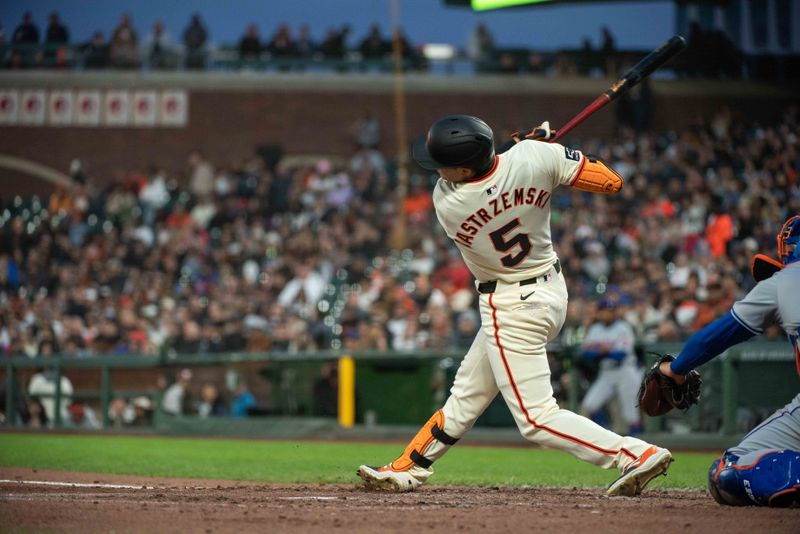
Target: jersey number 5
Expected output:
[503,244]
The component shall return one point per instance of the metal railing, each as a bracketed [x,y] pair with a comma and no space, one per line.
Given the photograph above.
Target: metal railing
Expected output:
[226,56]
[724,393]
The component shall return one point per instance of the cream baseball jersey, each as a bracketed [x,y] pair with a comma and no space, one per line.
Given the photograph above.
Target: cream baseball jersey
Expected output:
[501,221]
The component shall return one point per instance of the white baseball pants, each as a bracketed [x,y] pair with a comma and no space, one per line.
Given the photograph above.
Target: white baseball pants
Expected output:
[508,355]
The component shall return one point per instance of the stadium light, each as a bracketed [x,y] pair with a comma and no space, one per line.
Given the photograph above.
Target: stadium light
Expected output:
[438,51]
[485,5]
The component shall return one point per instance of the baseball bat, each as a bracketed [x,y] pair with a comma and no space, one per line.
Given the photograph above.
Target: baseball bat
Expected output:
[639,72]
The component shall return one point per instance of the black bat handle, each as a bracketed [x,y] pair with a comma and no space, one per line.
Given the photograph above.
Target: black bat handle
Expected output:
[655,59]
[646,66]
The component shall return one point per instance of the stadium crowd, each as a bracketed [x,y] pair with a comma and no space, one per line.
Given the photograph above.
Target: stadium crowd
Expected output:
[711,54]
[159,50]
[304,257]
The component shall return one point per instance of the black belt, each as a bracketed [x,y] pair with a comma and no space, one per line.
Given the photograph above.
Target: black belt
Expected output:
[489,287]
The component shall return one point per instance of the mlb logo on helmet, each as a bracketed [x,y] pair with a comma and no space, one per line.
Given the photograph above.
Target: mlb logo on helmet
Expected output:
[492,190]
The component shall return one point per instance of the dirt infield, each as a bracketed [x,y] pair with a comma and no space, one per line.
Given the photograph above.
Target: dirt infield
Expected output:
[118,503]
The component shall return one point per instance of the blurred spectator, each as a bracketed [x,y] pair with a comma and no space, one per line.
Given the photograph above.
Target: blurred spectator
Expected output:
[16,61]
[307,286]
[201,175]
[62,59]
[305,46]
[189,341]
[158,48]
[418,204]
[76,170]
[609,50]
[175,397]
[56,53]
[195,37]
[586,59]
[82,416]
[281,45]
[506,63]
[609,344]
[326,391]
[56,33]
[42,388]
[374,46]
[137,412]
[142,411]
[480,47]
[563,66]
[330,46]
[719,230]
[595,264]
[243,401]
[120,413]
[22,410]
[334,45]
[635,107]
[536,63]
[467,326]
[411,58]
[36,416]
[250,45]
[26,32]
[367,131]
[152,197]
[123,50]
[211,404]
[9,414]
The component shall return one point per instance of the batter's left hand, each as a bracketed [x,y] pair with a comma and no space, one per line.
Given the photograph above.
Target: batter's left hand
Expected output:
[540,133]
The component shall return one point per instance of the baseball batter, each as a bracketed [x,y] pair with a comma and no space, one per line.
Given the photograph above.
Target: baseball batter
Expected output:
[496,208]
[611,342]
[764,469]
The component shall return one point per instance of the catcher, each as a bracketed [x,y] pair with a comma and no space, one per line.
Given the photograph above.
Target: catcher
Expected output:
[764,469]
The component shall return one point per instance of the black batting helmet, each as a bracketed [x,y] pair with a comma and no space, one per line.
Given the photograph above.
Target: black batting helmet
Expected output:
[456,141]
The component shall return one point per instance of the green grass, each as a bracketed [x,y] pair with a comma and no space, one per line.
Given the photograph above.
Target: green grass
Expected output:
[313,462]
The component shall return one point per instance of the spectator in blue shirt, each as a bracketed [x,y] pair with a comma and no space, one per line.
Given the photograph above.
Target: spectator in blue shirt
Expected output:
[243,400]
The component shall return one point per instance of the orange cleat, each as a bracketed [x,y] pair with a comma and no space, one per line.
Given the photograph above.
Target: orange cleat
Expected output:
[639,472]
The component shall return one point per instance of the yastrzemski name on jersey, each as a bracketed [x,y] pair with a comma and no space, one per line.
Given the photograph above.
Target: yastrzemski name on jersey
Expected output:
[501,223]
[502,202]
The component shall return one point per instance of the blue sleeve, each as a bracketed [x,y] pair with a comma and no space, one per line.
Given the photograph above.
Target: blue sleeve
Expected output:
[709,342]
[616,355]
[591,354]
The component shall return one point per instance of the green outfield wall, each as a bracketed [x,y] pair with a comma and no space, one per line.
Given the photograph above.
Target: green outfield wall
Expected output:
[400,390]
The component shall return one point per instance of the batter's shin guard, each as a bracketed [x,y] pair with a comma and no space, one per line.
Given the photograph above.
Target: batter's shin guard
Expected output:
[430,444]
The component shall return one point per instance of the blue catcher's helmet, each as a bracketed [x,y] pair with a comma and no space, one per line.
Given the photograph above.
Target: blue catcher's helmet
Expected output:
[773,479]
[789,241]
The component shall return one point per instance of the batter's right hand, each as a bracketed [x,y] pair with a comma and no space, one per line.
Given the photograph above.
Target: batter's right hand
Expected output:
[540,133]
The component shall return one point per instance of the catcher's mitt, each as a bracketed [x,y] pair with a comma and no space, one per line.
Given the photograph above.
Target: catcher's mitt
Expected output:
[659,393]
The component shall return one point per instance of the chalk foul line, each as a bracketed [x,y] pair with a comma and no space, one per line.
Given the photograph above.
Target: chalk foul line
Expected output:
[75,484]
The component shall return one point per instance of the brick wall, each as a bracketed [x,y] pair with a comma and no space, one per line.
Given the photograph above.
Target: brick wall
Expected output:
[226,124]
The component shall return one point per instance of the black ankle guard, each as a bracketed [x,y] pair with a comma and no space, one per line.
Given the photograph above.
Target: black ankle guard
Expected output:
[420,460]
[442,436]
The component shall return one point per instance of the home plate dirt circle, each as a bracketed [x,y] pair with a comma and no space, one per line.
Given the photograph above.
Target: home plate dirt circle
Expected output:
[81,502]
